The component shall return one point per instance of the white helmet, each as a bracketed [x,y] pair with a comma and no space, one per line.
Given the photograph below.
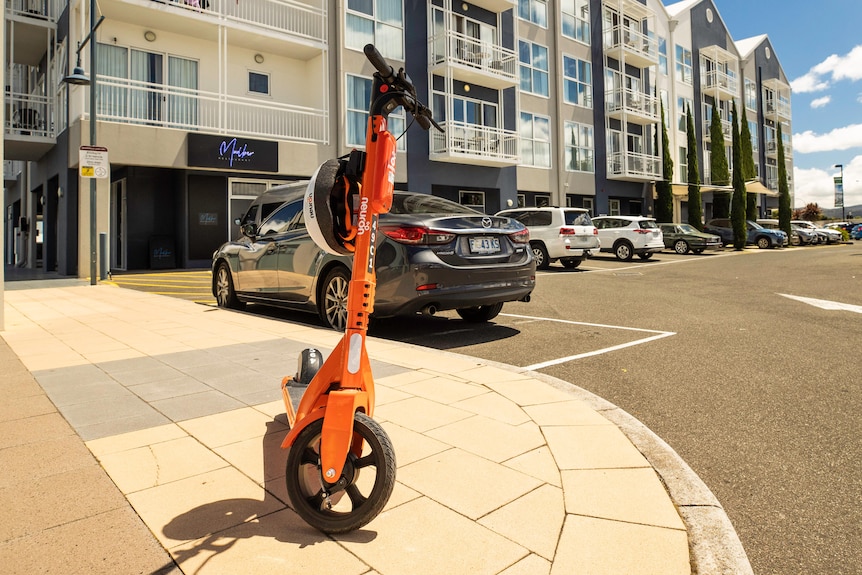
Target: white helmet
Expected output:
[328,207]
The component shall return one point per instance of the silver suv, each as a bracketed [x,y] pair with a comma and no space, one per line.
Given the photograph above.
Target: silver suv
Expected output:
[564,234]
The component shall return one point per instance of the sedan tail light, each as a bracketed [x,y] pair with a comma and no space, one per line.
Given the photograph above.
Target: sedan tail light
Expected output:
[520,237]
[416,235]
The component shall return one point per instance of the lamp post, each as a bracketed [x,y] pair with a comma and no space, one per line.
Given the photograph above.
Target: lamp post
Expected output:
[79,78]
[841,183]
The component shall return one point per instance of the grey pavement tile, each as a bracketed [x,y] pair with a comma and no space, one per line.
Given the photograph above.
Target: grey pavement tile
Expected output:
[70,374]
[158,373]
[168,388]
[216,371]
[105,408]
[196,405]
[131,364]
[244,384]
[112,427]
[186,359]
[259,397]
[84,393]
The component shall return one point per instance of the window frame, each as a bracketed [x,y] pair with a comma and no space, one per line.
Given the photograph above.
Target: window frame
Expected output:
[533,16]
[376,25]
[533,140]
[683,62]
[397,123]
[580,25]
[580,67]
[571,158]
[268,83]
[533,69]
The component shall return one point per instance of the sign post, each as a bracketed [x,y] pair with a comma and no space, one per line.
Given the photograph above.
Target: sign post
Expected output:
[93,165]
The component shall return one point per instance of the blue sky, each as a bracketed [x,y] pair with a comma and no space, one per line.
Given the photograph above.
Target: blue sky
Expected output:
[819,45]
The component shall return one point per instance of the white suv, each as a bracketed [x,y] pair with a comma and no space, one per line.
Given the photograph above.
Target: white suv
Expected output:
[625,236]
[564,234]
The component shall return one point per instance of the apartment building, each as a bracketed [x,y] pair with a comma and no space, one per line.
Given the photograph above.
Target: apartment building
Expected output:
[204,104]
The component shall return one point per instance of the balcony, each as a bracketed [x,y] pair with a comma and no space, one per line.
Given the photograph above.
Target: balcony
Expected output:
[776,98]
[778,109]
[142,103]
[30,124]
[721,84]
[463,143]
[630,46]
[719,76]
[496,6]
[634,166]
[473,61]
[288,27]
[632,106]
[726,131]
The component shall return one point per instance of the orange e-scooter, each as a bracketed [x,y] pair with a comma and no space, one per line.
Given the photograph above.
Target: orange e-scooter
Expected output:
[329,407]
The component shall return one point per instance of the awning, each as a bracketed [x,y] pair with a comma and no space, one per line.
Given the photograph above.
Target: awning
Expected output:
[755,187]
[682,189]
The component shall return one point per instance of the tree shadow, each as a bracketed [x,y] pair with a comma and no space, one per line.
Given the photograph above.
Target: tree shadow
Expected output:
[215,527]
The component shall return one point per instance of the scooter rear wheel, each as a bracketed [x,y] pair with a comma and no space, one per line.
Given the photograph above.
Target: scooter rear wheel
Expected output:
[361,500]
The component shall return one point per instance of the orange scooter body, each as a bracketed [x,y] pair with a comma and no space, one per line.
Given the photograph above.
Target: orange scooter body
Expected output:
[344,384]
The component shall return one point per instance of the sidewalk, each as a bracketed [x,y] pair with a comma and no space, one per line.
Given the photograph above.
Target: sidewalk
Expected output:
[168,438]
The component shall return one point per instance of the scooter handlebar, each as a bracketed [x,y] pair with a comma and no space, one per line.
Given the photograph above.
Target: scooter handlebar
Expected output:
[386,71]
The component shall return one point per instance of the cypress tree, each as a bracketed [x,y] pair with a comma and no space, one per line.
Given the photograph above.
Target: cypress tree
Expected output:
[784,214]
[664,202]
[737,208]
[695,209]
[718,166]
[748,171]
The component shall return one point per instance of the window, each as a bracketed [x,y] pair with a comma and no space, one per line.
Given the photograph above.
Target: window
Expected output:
[579,147]
[588,205]
[475,200]
[535,140]
[683,65]
[682,107]
[285,219]
[534,68]
[750,95]
[577,82]
[535,11]
[542,201]
[662,55]
[682,162]
[358,99]
[614,210]
[258,83]
[576,19]
[378,22]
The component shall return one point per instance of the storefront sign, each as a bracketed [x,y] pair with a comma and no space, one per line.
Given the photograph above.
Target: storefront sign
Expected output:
[232,153]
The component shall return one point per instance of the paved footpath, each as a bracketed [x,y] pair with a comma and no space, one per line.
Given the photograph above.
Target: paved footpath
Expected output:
[141,434]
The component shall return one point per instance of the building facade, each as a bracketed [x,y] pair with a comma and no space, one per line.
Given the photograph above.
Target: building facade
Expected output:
[204,104]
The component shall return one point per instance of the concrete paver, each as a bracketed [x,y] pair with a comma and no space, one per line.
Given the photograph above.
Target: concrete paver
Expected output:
[179,404]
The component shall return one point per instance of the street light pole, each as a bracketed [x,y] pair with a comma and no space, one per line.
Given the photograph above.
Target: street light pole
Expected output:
[841,167]
[93,95]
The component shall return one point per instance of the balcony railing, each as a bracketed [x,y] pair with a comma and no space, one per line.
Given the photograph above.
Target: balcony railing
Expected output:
[475,144]
[632,103]
[727,83]
[726,130]
[42,9]
[133,102]
[637,48]
[780,108]
[30,115]
[633,165]
[475,56]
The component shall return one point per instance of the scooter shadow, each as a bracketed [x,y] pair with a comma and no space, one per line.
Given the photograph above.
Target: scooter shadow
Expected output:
[214,528]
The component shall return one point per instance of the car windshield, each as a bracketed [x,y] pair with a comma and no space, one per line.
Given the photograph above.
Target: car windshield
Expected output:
[426,204]
[754,225]
[578,218]
[688,229]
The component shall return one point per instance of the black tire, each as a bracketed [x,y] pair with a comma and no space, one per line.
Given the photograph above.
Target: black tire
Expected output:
[358,507]
[540,254]
[623,251]
[763,242]
[223,289]
[645,256]
[571,263]
[680,247]
[480,314]
[332,303]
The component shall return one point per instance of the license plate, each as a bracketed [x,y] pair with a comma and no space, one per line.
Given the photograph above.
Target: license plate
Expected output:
[484,245]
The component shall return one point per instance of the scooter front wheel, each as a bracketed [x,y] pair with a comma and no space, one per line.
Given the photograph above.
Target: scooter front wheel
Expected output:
[341,509]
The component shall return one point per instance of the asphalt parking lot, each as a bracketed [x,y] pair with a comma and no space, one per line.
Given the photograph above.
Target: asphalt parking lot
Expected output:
[743,362]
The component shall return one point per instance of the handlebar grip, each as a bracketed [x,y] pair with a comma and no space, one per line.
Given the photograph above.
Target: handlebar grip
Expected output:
[424,122]
[378,62]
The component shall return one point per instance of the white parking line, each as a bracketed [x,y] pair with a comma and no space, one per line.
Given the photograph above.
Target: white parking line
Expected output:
[658,335]
[825,304]
[644,265]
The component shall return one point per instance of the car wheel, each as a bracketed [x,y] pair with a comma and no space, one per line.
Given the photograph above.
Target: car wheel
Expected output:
[224,292]
[680,247]
[571,263]
[763,242]
[332,303]
[540,254]
[645,256]
[481,313]
[623,251]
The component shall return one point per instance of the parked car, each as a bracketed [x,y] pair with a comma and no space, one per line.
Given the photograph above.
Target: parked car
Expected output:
[757,235]
[856,232]
[625,236]
[826,235]
[683,238]
[564,234]
[799,235]
[433,255]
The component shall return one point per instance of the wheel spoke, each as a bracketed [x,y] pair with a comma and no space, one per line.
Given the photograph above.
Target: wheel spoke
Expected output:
[369,459]
[309,457]
[316,501]
[356,497]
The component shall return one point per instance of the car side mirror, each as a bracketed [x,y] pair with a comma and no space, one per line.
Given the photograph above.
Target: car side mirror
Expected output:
[248,230]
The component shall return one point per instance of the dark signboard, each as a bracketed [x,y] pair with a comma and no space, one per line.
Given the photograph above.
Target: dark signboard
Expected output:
[232,153]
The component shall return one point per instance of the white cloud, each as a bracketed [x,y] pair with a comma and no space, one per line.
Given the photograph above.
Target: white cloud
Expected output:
[816,186]
[838,139]
[820,102]
[834,68]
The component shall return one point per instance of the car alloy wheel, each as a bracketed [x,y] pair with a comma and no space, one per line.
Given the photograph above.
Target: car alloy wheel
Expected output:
[763,242]
[332,305]
[680,247]
[540,254]
[224,292]
[623,251]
